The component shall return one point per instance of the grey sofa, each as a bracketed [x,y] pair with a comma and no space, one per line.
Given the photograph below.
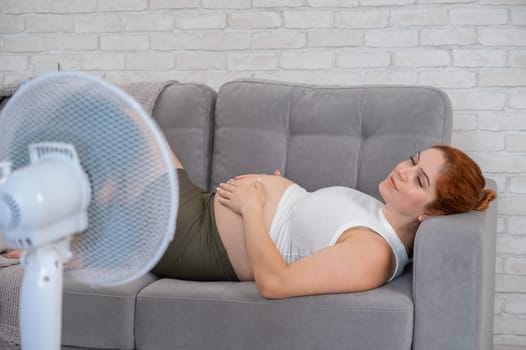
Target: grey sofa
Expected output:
[317,136]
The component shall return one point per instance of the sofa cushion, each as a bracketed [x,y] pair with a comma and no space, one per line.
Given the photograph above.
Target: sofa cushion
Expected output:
[184,112]
[175,314]
[322,136]
[100,318]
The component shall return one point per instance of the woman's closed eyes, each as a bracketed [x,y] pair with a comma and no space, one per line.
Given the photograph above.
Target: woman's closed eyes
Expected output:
[415,162]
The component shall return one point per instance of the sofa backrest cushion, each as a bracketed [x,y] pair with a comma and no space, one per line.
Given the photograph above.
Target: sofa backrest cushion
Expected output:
[184,113]
[324,135]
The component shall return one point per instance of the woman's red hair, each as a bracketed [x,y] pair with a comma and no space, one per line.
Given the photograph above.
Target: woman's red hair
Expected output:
[460,185]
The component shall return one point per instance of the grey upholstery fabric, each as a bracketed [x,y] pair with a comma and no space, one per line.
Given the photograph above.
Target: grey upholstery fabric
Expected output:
[174,314]
[321,136]
[101,318]
[184,112]
[454,280]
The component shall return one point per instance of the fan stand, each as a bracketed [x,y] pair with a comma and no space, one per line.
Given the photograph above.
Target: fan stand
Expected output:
[41,296]
[54,193]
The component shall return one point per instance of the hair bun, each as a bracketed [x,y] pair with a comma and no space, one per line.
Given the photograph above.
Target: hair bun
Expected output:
[487,196]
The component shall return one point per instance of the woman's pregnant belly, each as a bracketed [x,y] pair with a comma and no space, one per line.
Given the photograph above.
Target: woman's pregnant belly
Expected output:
[230,224]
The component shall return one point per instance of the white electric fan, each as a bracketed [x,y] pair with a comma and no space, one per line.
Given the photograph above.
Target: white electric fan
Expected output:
[87,182]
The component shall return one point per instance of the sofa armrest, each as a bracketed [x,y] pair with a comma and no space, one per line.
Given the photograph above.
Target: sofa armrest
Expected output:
[454,281]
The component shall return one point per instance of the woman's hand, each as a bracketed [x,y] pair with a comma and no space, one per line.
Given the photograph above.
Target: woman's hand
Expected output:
[242,196]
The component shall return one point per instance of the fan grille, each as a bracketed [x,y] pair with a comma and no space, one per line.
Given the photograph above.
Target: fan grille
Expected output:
[134,193]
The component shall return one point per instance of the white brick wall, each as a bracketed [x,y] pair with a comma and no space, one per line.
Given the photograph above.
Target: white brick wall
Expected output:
[255,19]
[370,18]
[473,49]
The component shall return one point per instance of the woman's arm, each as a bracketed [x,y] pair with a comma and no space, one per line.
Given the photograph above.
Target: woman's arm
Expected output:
[247,199]
[360,262]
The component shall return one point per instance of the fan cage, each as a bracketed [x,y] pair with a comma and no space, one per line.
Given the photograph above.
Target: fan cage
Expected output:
[132,214]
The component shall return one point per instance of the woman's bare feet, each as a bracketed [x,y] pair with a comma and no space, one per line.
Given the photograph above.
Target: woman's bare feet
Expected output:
[13,253]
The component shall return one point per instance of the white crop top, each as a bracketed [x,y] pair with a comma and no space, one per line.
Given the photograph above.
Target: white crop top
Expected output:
[305,222]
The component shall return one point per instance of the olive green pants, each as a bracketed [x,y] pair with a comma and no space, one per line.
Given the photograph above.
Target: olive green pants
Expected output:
[196,251]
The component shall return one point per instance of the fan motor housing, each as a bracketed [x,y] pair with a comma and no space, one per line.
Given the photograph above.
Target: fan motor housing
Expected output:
[43,202]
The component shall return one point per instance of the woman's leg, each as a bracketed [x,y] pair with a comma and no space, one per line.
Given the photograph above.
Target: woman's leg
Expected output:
[196,251]
[178,164]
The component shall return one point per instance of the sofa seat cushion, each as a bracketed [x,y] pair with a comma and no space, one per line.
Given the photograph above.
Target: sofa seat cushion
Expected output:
[176,314]
[101,318]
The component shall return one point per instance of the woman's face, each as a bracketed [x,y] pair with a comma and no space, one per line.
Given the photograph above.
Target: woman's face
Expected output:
[411,185]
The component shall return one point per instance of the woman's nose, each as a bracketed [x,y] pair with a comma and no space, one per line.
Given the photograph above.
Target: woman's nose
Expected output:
[403,172]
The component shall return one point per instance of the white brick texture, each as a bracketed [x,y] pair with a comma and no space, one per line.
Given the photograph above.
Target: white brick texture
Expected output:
[278,40]
[518,58]
[26,43]
[174,4]
[391,38]
[497,36]
[371,18]
[477,58]
[101,61]
[147,22]
[200,21]
[14,63]
[278,3]
[252,61]
[200,60]
[221,40]
[475,16]
[517,98]
[49,23]
[307,60]
[475,50]
[124,42]
[73,6]
[226,4]
[335,38]
[103,23]
[308,19]
[422,58]
[253,20]
[419,17]
[332,3]
[175,41]
[448,36]
[122,5]
[11,24]
[448,78]
[75,42]
[149,61]
[361,59]
[518,16]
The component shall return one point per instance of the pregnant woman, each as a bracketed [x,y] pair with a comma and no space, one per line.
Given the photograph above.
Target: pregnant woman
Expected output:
[291,242]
